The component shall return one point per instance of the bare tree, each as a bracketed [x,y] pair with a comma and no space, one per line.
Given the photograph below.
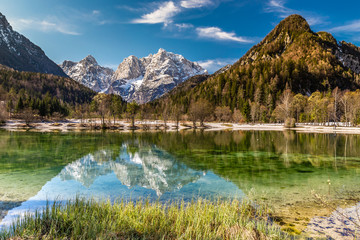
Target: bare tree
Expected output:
[254,111]
[28,115]
[3,113]
[345,101]
[176,113]
[238,116]
[336,94]
[283,108]
[285,102]
[165,113]
[223,114]
[101,104]
[200,110]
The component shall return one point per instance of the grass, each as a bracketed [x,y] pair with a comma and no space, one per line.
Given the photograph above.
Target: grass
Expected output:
[201,219]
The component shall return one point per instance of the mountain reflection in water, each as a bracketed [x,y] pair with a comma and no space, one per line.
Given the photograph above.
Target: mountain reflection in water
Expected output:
[150,168]
[132,173]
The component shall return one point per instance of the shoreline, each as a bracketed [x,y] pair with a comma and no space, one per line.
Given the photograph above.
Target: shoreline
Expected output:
[71,125]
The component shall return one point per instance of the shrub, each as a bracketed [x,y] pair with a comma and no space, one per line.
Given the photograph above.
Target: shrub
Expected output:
[290,123]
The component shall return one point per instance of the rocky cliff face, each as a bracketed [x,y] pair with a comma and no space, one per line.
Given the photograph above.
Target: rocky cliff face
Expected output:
[349,55]
[136,79]
[89,73]
[19,53]
[145,79]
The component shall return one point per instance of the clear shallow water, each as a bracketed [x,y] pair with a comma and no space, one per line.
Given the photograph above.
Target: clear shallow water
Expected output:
[282,168]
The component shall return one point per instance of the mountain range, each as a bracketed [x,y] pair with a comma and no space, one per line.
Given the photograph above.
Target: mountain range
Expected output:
[136,79]
[291,56]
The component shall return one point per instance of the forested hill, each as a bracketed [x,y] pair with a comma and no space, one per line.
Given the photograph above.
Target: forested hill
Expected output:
[291,56]
[37,85]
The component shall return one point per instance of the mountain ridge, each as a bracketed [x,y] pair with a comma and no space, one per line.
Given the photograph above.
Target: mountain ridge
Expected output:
[18,52]
[136,79]
[89,73]
[292,57]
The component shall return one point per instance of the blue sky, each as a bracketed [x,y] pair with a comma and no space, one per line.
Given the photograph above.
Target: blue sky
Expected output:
[212,32]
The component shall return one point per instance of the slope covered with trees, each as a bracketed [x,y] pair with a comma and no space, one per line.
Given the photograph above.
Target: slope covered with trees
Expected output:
[27,95]
[291,58]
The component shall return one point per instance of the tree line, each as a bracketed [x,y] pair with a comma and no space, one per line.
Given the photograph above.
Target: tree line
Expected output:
[227,97]
[318,108]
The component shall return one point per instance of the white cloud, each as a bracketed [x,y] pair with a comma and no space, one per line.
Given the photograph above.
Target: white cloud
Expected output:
[183,26]
[278,6]
[163,14]
[353,27]
[67,21]
[212,65]
[195,3]
[43,25]
[218,34]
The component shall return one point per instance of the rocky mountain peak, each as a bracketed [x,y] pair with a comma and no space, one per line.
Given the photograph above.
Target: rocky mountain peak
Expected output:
[292,29]
[162,52]
[89,60]
[288,29]
[130,68]
[3,22]
[294,23]
[150,77]
[89,73]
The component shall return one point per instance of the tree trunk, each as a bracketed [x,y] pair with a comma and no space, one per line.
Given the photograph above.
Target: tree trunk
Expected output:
[133,122]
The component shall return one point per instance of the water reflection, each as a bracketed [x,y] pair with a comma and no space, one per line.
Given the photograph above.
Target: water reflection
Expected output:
[148,167]
[282,167]
[133,172]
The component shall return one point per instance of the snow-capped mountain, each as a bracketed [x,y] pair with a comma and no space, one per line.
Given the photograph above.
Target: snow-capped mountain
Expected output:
[148,78]
[150,168]
[89,73]
[136,79]
[19,53]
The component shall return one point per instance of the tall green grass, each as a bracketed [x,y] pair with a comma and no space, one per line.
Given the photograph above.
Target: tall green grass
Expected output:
[200,219]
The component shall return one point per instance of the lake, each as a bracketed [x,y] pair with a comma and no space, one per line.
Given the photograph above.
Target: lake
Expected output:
[282,169]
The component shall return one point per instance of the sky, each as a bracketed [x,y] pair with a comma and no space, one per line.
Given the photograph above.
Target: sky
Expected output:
[211,32]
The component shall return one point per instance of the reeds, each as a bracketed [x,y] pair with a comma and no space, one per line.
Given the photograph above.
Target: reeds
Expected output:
[200,219]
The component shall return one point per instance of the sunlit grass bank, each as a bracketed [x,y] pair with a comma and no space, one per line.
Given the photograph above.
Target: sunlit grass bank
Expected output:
[201,219]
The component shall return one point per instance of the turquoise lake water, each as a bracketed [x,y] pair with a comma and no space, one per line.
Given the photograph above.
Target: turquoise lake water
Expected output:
[282,169]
